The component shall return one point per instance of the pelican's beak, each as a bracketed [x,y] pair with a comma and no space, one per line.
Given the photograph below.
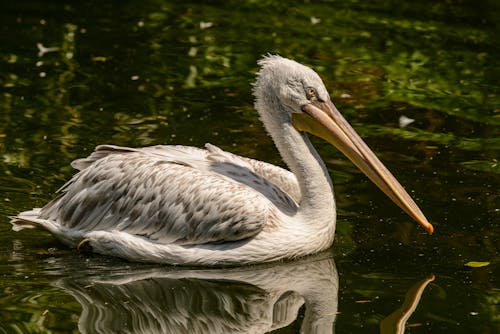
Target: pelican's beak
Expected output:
[324,120]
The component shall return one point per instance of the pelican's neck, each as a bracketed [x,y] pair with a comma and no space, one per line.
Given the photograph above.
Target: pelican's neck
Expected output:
[317,204]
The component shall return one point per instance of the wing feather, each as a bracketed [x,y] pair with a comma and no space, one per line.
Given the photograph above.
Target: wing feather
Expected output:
[173,194]
[276,183]
[148,195]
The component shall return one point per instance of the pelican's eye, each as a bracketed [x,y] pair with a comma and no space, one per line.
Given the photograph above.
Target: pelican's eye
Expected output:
[311,94]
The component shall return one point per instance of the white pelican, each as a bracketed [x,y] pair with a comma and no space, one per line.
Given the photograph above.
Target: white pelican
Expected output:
[189,206]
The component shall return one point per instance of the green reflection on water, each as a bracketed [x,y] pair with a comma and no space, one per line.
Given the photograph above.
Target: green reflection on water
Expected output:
[164,72]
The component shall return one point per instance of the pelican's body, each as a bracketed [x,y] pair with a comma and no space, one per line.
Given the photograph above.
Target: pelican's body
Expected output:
[183,205]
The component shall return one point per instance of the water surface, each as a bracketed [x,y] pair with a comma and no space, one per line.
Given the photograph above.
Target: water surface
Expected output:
[75,75]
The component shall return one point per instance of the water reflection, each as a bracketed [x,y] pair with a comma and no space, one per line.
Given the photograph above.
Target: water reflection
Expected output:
[255,299]
[395,322]
[134,298]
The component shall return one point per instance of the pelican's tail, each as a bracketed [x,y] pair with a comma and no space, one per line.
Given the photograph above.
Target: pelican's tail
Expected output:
[31,219]
[26,219]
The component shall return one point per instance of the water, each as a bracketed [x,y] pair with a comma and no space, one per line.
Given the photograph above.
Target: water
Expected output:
[161,73]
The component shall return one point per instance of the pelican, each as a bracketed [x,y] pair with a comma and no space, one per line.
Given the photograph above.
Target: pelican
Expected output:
[189,206]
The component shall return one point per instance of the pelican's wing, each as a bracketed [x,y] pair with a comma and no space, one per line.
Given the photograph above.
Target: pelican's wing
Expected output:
[280,177]
[172,153]
[145,193]
[279,185]
[284,179]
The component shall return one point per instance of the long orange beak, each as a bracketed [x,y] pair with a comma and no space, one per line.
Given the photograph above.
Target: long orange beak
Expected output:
[324,120]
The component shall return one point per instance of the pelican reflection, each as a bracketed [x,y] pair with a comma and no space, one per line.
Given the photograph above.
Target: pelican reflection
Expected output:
[256,299]
[251,299]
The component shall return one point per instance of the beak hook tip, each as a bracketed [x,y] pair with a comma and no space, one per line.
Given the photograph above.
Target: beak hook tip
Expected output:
[429,228]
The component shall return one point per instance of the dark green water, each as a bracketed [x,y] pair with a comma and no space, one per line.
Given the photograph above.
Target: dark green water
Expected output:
[154,72]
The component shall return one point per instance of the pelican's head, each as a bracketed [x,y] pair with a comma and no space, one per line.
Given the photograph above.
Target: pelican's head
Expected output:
[296,95]
[285,83]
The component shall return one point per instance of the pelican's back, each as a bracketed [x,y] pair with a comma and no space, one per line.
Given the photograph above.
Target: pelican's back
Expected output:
[168,194]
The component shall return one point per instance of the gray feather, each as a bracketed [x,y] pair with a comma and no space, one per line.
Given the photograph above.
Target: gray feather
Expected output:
[170,194]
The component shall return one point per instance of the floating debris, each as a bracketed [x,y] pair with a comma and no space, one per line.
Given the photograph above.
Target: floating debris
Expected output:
[477,264]
[405,121]
[315,20]
[100,59]
[206,25]
[43,50]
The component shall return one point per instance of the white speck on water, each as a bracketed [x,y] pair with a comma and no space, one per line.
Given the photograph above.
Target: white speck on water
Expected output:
[404,121]
[12,59]
[42,74]
[39,63]
[134,77]
[315,20]
[43,50]
[206,25]
[192,51]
